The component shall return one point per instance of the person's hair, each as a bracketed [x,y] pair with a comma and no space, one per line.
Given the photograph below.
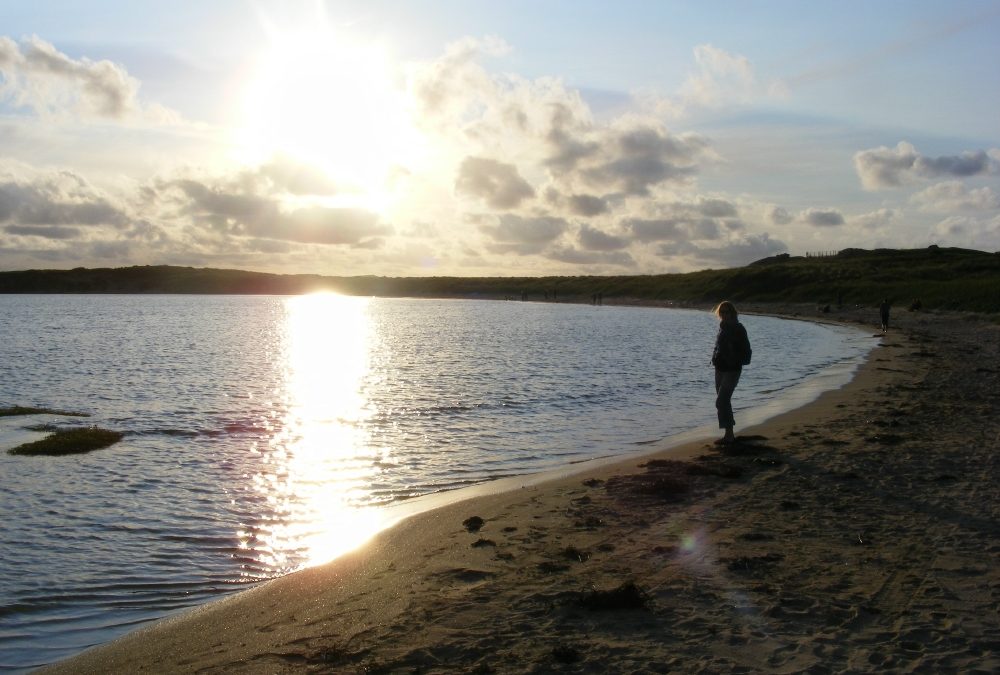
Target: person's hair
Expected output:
[725,306]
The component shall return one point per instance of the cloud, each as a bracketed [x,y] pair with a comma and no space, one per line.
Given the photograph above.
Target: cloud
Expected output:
[976,232]
[548,129]
[592,239]
[40,77]
[705,219]
[231,210]
[952,196]
[516,234]
[634,159]
[297,178]
[9,53]
[438,84]
[780,216]
[587,205]
[721,78]
[324,225]
[566,139]
[577,257]
[885,167]
[822,217]
[44,231]
[876,220]
[56,200]
[655,229]
[716,208]
[738,252]
[496,183]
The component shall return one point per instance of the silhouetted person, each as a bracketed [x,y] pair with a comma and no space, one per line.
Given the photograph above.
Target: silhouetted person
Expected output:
[883,313]
[732,352]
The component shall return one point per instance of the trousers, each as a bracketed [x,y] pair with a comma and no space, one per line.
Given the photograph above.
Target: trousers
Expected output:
[725,385]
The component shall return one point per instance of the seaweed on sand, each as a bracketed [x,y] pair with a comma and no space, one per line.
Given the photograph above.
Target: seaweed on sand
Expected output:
[473,523]
[626,596]
[70,442]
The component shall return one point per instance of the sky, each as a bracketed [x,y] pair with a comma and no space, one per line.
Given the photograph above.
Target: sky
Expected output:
[515,138]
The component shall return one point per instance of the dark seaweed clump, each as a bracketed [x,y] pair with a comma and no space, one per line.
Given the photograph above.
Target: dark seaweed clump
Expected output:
[70,442]
[473,523]
[626,596]
[15,410]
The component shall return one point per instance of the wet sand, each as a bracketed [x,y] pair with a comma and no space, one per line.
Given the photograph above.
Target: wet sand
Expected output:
[859,533]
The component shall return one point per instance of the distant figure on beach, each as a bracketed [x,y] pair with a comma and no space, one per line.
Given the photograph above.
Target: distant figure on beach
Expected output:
[883,313]
[732,352]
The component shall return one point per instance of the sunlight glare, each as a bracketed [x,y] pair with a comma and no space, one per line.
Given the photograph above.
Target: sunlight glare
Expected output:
[318,468]
[330,102]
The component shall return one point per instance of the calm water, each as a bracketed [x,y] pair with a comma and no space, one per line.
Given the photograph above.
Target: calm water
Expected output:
[264,433]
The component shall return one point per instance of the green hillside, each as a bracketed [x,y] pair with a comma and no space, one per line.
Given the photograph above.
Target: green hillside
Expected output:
[941,278]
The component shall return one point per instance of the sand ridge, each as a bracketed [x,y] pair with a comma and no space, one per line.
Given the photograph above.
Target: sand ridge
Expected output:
[860,533]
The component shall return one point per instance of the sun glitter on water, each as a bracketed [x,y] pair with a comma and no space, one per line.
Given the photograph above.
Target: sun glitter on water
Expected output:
[316,471]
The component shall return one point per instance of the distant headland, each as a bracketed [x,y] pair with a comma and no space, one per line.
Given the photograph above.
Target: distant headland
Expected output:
[932,278]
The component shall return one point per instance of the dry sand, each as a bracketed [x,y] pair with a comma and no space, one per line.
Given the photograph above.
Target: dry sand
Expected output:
[856,534]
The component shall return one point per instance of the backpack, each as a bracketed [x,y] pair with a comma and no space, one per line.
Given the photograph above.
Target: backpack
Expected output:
[746,353]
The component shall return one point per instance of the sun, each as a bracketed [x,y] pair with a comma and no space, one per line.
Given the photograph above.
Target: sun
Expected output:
[331,102]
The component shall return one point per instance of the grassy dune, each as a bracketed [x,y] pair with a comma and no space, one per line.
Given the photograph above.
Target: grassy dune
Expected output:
[941,278]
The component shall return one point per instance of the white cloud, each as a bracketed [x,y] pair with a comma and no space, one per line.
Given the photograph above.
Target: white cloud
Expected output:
[955,196]
[447,88]
[547,131]
[721,78]
[40,77]
[295,177]
[974,232]
[879,219]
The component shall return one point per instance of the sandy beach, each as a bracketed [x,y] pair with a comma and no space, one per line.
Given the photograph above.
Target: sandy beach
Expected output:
[860,533]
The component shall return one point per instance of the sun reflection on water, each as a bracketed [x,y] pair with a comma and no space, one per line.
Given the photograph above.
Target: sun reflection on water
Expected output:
[317,468]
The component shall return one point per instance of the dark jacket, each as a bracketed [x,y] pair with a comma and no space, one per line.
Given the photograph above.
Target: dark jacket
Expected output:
[732,347]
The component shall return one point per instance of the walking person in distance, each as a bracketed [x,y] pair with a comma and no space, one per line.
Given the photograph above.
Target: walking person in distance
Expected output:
[732,352]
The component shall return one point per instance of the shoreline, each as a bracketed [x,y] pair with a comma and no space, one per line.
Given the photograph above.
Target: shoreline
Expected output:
[795,549]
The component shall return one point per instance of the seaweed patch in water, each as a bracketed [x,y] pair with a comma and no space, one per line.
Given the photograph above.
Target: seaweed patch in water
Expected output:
[69,442]
[15,410]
